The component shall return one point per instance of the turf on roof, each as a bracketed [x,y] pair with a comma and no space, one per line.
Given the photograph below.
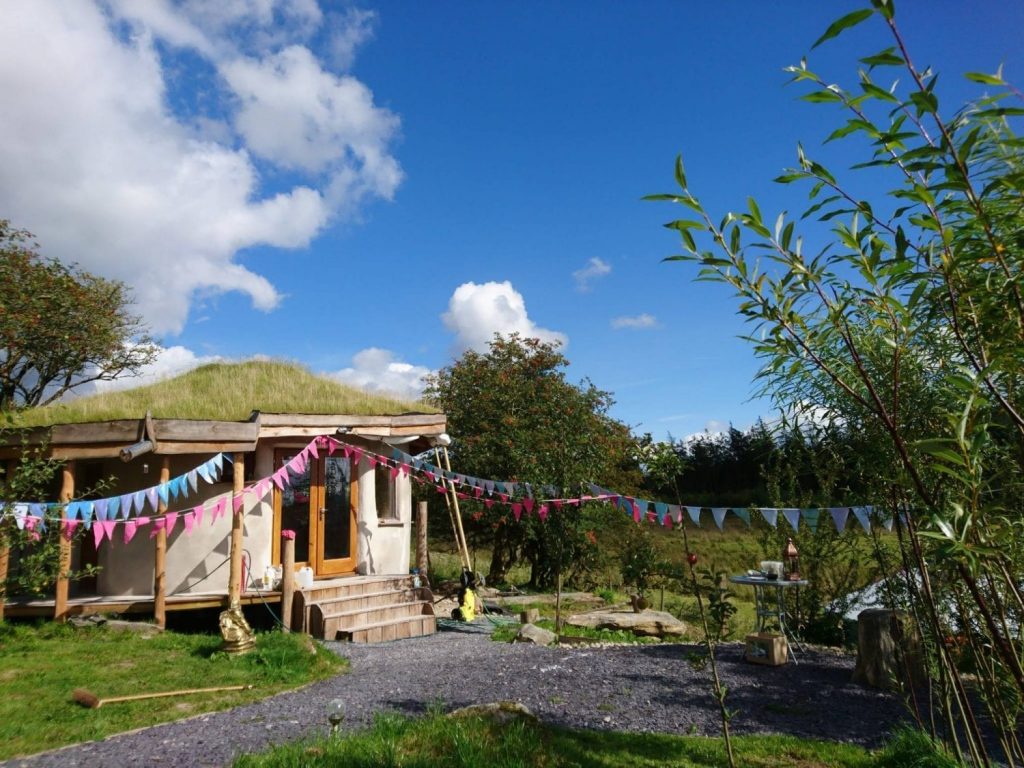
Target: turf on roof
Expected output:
[226,392]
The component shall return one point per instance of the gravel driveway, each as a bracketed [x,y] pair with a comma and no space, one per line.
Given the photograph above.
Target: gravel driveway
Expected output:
[629,688]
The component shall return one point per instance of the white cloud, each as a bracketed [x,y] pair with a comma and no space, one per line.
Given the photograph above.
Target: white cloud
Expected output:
[377,370]
[636,323]
[95,162]
[352,30]
[596,268]
[476,312]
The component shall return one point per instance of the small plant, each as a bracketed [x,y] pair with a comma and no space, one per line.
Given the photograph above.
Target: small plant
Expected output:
[720,608]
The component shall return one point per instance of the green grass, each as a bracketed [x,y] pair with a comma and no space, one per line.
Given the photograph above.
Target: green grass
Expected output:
[475,742]
[505,633]
[40,665]
[225,392]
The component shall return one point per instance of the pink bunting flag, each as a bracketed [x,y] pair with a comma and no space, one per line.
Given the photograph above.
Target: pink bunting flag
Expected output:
[574,502]
[129,530]
[557,503]
[312,449]
[517,511]
[503,497]
[69,528]
[280,478]
[636,512]
[357,455]
[488,503]
[394,473]
[171,521]
[478,492]
[668,522]
[372,459]
[441,489]
[542,512]
[108,528]
[332,446]
[406,469]
[219,508]
[158,525]
[189,520]
[346,450]
[262,488]
[97,533]
[528,505]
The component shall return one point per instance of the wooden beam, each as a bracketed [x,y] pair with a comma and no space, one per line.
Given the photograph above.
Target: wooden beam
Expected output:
[182,430]
[287,580]
[348,420]
[160,556]
[5,552]
[67,492]
[235,567]
[422,552]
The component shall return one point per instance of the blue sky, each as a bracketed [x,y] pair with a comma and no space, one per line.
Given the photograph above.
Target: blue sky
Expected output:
[369,189]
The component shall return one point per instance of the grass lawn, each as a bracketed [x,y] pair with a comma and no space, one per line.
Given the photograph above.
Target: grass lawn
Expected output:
[40,665]
[475,742]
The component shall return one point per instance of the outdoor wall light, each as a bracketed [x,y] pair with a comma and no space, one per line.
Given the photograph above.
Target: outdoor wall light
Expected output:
[342,431]
[443,440]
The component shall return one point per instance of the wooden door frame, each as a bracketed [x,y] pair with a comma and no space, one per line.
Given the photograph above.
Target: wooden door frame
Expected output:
[314,553]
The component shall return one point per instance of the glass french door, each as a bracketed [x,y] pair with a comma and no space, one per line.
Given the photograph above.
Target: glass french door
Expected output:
[320,506]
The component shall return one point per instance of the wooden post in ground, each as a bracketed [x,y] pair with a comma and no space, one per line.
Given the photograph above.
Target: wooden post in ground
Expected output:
[460,534]
[287,580]
[67,492]
[160,556]
[5,553]
[421,539]
[235,567]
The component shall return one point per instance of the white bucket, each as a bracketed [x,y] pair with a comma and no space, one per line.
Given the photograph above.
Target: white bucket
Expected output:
[304,578]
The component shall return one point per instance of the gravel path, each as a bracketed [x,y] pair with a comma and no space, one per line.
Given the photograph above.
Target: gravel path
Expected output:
[628,688]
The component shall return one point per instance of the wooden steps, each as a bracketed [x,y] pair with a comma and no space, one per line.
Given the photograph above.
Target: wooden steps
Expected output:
[365,609]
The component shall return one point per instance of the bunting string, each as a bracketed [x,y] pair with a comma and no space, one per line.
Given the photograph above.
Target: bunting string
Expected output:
[129,510]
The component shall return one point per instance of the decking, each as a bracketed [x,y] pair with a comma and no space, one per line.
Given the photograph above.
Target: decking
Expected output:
[359,609]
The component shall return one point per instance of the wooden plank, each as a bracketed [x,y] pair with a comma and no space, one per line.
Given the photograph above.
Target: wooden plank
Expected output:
[170,448]
[342,420]
[184,430]
[121,431]
[67,492]
[72,452]
[287,581]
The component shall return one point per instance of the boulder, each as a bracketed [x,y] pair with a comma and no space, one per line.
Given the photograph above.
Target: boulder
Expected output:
[529,616]
[531,633]
[646,623]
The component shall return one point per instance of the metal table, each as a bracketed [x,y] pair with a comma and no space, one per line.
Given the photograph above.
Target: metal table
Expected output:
[769,603]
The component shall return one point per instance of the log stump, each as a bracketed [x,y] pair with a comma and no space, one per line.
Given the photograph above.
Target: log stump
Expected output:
[888,650]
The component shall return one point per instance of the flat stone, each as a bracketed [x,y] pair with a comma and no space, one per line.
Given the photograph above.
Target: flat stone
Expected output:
[645,623]
[531,633]
[499,711]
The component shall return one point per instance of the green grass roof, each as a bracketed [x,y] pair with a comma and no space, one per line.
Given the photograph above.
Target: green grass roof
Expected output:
[225,392]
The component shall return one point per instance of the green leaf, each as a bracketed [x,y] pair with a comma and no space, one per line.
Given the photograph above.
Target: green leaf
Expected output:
[981,77]
[820,97]
[838,26]
[886,58]
[879,93]
[680,173]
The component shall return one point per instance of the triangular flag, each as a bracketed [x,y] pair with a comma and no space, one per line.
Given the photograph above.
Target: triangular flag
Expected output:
[357,455]
[158,525]
[220,508]
[792,517]
[676,513]
[97,534]
[108,528]
[163,491]
[151,497]
[127,502]
[863,515]
[542,512]
[218,462]
[193,480]
[279,478]
[198,513]
[394,473]
[312,450]
[129,530]
[811,518]
[770,515]
[171,520]
[69,528]
[113,505]
[488,503]
[101,509]
[517,511]
[661,509]
[742,514]
[140,502]
[694,513]
[204,472]
[85,512]
[719,514]
[71,510]
[887,522]
[528,505]
[638,514]
[839,516]
[189,519]
[237,502]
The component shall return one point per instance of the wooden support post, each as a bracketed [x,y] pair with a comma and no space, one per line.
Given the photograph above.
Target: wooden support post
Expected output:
[67,492]
[421,539]
[235,567]
[160,556]
[287,580]
[5,553]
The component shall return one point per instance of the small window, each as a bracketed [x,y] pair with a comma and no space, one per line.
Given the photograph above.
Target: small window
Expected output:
[384,486]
